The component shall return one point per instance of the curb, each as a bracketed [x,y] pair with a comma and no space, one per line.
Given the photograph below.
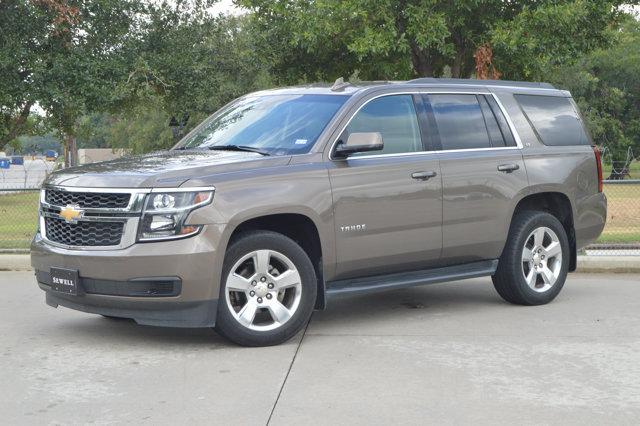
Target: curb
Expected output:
[611,264]
[15,262]
[586,264]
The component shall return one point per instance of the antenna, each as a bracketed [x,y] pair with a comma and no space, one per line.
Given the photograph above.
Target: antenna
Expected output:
[339,85]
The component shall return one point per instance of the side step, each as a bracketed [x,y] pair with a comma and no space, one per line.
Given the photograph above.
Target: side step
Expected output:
[411,279]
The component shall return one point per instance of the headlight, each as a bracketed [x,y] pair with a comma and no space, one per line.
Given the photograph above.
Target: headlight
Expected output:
[165,213]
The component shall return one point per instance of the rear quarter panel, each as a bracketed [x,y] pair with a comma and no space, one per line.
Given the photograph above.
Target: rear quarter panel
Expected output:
[572,171]
[569,170]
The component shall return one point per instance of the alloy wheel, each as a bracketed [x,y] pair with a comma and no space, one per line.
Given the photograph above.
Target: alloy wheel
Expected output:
[541,259]
[263,290]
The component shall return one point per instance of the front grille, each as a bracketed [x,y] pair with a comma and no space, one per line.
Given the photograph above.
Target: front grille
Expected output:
[83,233]
[91,200]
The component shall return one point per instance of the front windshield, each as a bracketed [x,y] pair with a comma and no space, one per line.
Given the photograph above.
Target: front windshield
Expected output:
[275,124]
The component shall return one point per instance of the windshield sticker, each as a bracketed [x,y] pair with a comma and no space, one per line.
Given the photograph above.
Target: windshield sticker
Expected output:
[301,142]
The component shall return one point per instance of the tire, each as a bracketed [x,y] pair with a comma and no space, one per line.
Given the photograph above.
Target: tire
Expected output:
[250,308]
[519,278]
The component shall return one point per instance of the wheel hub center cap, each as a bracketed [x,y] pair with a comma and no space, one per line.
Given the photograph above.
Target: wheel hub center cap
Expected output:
[262,290]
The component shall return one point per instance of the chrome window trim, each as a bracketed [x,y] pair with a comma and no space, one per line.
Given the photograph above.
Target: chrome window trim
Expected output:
[434,91]
[130,215]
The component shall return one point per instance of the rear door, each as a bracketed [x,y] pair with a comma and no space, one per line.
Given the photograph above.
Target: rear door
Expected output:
[387,204]
[482,171]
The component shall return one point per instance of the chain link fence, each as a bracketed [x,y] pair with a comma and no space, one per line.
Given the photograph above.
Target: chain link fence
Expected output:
[621,235]
[18,218]
[28,173]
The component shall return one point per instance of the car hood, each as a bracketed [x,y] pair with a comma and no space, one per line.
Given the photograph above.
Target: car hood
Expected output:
[160,169]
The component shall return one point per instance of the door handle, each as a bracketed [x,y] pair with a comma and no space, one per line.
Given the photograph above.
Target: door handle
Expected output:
[423,175]
[508,168]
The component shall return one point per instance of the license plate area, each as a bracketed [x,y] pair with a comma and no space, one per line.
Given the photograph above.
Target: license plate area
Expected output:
[64,280]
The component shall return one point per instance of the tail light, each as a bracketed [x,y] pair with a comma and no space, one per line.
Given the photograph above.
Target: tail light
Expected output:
[596,151]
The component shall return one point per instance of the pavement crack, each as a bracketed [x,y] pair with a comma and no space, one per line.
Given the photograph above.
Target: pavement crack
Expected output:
[284,382]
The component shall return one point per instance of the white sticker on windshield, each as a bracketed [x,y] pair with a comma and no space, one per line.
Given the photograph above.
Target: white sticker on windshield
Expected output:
[301,142]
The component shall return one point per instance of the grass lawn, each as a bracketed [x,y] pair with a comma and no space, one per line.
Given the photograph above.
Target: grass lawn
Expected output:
[19,216]
[623,214]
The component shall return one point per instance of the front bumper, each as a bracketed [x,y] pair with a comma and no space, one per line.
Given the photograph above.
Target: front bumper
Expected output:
[169,283]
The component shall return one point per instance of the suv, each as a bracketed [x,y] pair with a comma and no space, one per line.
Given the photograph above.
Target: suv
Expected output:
[286,198]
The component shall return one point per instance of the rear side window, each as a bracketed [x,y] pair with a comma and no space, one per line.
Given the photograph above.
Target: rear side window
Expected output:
[460,121]
[554,119]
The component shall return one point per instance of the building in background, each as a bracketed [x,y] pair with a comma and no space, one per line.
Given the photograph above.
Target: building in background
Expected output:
[94,155]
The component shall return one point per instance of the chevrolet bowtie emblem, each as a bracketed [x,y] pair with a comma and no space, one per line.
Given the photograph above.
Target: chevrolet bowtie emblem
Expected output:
[71,213]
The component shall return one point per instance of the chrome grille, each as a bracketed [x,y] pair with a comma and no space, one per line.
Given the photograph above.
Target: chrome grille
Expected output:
[93,200]
[84,233]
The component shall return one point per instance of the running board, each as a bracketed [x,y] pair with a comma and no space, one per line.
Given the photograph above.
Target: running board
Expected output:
[411,279]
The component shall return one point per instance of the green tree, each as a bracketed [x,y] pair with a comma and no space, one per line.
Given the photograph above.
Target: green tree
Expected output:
[192,62]
[606,85]
[393,39]
[63,55]
[185,63]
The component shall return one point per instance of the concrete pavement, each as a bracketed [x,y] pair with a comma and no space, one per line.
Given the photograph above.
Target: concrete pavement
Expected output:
[447,353]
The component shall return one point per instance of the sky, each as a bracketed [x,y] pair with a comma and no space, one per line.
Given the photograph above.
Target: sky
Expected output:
[226,7]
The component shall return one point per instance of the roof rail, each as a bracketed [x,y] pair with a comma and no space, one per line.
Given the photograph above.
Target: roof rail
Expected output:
[471,81]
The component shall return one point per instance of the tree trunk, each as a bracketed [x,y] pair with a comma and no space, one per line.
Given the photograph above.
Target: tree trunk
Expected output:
[457,66]
[420,60]
[70,152]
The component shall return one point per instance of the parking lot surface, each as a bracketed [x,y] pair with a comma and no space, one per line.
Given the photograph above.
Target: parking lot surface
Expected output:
[440,354]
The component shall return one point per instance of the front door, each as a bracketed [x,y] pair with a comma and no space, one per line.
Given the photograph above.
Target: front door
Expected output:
[387,204]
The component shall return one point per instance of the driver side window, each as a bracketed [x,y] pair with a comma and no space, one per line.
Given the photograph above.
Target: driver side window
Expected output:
[394,117]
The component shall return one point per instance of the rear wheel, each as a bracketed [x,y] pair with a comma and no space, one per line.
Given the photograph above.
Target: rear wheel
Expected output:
[268,290]
[534,264]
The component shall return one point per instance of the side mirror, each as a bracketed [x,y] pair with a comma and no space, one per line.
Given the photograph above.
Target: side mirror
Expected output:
[359,142]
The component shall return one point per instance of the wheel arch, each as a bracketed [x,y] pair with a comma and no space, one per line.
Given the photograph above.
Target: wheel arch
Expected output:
[297,226]
[557,204]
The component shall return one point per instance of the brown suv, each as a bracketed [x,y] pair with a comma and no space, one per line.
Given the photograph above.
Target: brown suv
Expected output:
[285,198]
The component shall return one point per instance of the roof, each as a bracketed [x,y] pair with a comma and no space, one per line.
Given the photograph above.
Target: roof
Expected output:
[347,88]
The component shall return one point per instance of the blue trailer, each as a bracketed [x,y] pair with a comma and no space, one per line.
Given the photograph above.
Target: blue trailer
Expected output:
[5,163]
[17,160]
[51,155]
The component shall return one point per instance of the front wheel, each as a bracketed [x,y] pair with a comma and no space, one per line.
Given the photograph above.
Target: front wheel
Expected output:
[268,290]
[534,264]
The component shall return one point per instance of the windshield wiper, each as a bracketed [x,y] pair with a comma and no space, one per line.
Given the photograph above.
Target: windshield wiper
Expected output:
[237,148]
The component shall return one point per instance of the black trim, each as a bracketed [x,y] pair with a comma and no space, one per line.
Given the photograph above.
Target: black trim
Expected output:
[432,127]
[137,287]
[412,279]
[507,135]
[423,123]
[157,313]
[490,117]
